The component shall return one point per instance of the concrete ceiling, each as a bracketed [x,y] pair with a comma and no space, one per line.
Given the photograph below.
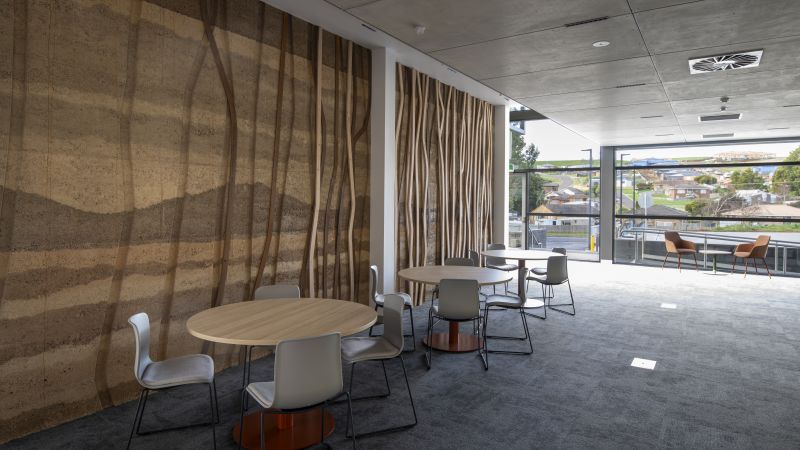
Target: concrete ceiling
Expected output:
[637,90]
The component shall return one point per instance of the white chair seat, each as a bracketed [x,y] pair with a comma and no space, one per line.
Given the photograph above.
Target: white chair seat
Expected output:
[541,278]
[178,371]
[504,301]
[379,298]
[506,267]
[358,349]
[263,392]
[539,270]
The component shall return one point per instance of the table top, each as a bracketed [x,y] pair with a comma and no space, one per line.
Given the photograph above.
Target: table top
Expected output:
[520,254]
[435,274]
[715,252]
[267,322]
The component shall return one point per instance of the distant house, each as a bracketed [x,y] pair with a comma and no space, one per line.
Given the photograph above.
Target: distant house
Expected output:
[756,196]
[688,191]
[553,214]
[566,195]
[660,210]
[679,174]
[653,162]
[551,186]
[767,210]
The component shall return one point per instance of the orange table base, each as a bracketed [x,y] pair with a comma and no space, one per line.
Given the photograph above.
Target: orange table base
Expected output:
[285,431]
[454,341]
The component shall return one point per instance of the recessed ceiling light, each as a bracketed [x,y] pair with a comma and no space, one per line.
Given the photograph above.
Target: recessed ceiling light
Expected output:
[601,44]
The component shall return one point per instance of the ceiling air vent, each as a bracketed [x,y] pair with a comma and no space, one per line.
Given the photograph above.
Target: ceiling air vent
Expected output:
[584,22]
[731,61]
[715,136]
[717,117]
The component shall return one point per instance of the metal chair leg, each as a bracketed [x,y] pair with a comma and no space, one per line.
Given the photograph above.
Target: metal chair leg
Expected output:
[216,399]
[665,260]
[766,267]
[695,262]
[745,267]
[571,303]
[211,395]
[350,419]
[413,409]
[429,351]
[261,430]
[733,268]
[241,420]
[413,333]
[510,352]
[136,417]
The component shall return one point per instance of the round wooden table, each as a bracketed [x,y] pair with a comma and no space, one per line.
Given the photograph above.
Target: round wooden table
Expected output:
[521,256]
[454,340]
[266,323]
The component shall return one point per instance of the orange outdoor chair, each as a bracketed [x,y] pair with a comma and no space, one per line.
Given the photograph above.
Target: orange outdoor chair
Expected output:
[676,245]
[756,250]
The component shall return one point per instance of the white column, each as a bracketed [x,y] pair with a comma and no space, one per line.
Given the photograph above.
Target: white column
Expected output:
[607,186]
[383,168]
[500,159]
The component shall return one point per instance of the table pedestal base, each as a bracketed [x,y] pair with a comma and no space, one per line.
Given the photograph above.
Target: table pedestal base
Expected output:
[284,431]
[454,341]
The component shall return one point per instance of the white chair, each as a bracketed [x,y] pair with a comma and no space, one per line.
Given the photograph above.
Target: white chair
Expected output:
[169,373]
[465,262]
[458,302]
[379,299]
[543,270]
[499,263]
[556,275]
[308,375]
[506,302]
[268,292]
[475,258]
[382,348]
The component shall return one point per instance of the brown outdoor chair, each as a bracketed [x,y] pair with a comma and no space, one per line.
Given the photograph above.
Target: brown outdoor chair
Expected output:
[756,250]
[676,245]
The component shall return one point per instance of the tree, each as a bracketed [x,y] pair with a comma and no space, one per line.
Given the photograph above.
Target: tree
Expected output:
[747,179]
[705,179]
[641,187]
[786,180]
[524,157]
[697,207]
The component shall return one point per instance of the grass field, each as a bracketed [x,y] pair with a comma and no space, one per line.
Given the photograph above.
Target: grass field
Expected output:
[773,227]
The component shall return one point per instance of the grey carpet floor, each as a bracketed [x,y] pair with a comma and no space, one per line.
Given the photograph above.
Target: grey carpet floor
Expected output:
[727,376]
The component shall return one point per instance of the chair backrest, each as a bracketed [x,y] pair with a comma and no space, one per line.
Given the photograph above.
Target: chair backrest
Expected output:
[672,241]
[373,281]
[141,334]
[458,299]
[277,291]
[458,262]
[308,371]
[560,250]
[760,246]
[475,258]
[557,269]
[492,260]
[393,306]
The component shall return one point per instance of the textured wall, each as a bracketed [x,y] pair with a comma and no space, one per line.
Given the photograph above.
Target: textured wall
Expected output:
[153,163]
[444,171]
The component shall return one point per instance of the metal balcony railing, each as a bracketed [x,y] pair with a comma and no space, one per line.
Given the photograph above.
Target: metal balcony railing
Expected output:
[780,247]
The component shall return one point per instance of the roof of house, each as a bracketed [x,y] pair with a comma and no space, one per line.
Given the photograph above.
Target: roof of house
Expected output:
[766,210]
[566,208]
[659,210]
[693,187]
